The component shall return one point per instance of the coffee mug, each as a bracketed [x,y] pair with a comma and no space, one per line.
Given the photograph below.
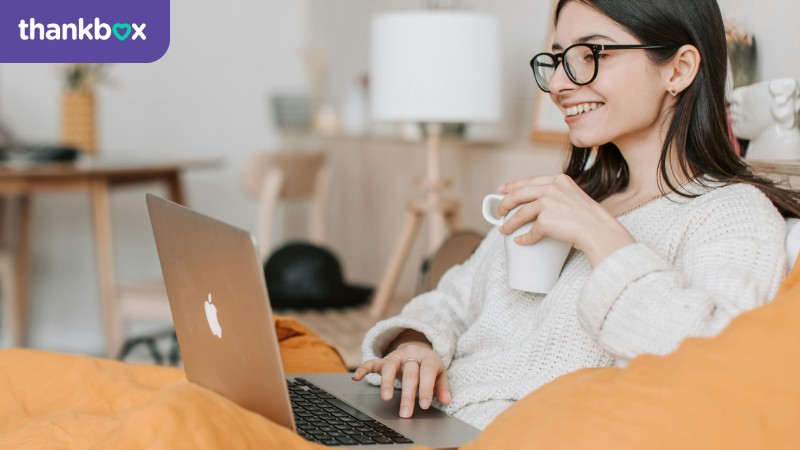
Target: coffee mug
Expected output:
[532,268]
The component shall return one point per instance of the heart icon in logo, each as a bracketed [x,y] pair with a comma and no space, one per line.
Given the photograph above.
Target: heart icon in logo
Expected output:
[121,26]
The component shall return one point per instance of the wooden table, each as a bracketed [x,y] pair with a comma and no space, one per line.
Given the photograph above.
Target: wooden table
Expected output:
[96,176]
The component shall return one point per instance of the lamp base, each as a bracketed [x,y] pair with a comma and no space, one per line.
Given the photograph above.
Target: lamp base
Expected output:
[443,215]
[417,210]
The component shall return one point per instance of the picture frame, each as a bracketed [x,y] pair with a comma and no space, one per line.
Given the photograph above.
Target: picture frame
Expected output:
[547,121]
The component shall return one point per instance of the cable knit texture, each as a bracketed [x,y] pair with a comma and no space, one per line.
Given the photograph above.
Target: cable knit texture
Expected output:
[696,264]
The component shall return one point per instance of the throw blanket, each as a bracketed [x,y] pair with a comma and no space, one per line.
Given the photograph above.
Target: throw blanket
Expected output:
[50,400]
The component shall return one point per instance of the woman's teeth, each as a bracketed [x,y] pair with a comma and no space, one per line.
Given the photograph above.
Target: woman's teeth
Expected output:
[582,108]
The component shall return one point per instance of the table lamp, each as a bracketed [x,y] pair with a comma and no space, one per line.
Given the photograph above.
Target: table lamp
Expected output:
[431,67]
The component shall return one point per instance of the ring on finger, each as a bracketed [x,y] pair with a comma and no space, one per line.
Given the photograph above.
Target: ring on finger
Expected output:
[396,356]
[408,360]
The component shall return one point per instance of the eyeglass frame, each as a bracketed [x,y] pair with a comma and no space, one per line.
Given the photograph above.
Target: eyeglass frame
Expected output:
[558,58]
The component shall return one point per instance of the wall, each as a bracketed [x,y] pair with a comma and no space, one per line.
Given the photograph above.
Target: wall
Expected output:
[774,25]
[207,96]
[342,27]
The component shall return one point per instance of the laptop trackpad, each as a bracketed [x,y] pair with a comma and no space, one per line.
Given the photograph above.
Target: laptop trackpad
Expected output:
[389,410]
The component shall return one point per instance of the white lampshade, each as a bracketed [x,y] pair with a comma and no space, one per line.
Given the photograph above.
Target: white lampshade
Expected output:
[435,66]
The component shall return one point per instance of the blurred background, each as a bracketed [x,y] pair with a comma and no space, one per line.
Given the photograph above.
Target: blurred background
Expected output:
[245,76]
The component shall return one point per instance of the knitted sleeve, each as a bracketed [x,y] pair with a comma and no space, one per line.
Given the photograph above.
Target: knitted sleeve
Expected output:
[732,259]
[443,314]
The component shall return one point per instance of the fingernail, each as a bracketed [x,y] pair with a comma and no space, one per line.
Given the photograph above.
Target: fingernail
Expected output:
[385,394]
[405,411]
[518,239]
[424,403]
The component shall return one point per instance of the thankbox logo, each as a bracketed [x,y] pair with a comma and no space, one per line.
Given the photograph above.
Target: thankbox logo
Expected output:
[84,31]
[31,30]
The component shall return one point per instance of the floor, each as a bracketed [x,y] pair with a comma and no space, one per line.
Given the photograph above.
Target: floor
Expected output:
[344,328]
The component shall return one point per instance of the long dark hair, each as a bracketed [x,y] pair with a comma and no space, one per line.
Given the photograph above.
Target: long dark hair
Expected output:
[698,129]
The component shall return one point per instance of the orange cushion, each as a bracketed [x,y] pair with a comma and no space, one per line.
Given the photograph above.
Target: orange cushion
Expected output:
[739,390]
[50,400]
[303,351]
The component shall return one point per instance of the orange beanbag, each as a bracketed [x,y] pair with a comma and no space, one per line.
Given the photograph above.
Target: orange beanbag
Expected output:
[50,400]
[739,390]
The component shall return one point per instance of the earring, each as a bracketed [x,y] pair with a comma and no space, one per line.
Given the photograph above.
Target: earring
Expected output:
[673,92]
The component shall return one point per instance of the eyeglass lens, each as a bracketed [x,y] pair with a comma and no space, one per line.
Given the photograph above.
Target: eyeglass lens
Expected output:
[579,63]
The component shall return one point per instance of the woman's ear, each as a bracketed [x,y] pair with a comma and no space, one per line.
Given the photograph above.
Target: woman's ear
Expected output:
[680,72]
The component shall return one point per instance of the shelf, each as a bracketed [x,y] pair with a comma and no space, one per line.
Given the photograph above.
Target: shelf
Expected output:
[302,138]
[778,167]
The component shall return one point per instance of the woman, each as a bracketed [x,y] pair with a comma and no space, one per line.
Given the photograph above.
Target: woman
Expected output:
[673,235]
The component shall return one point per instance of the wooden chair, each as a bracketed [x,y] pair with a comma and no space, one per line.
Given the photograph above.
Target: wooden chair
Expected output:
[273,177]
[277,177]
[455,249]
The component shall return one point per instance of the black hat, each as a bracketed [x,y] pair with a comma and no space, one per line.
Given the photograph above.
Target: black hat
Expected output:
[302,275]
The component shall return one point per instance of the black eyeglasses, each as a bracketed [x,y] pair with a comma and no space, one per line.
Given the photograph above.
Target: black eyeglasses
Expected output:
[580,62]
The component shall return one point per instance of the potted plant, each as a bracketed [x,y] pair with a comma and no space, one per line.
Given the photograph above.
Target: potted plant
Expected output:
[78,110]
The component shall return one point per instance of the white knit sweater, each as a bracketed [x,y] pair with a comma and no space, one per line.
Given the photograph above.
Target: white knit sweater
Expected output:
[696,264]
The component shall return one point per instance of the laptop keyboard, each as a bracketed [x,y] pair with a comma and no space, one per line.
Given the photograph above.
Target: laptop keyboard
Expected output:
[321,417]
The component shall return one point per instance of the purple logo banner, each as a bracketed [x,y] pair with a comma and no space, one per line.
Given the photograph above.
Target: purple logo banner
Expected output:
[83,31]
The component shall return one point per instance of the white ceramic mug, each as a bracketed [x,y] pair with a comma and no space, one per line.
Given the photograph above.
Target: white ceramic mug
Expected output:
[531,268]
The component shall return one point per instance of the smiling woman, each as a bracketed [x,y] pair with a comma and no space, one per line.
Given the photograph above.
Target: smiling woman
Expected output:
[671,233]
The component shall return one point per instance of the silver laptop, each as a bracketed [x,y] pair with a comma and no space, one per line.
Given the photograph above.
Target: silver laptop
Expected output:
[218,297]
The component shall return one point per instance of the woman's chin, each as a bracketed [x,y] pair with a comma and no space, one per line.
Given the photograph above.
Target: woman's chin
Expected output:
[582,141]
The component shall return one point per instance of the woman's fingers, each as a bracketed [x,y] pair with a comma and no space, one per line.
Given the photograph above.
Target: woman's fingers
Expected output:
[527,214]
[427,380]
[443,388]
[526,194]
[410,383]
[422,375]
[536,181]
[391,365]
[371,366]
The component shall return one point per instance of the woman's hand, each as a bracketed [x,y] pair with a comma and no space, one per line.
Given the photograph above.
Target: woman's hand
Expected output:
[421,369]
[560,209]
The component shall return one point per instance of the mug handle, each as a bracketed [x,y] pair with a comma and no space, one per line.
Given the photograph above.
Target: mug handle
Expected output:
[489,208]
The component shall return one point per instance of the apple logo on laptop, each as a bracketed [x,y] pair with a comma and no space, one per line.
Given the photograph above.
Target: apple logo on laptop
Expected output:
[211,316]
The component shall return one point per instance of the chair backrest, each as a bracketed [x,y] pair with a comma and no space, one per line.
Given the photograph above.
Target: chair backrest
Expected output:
[272,177]
[456,249]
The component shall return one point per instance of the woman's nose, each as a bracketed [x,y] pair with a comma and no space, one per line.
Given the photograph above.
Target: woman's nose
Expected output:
[560,81]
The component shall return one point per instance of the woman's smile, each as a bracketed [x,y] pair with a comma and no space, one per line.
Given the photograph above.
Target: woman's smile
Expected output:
[577,111]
